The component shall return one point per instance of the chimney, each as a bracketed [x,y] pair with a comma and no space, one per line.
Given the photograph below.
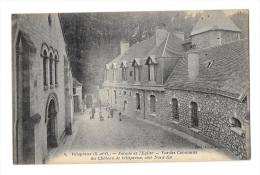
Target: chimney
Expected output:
[193,65]
[124,46]
[177,32]
[161,34]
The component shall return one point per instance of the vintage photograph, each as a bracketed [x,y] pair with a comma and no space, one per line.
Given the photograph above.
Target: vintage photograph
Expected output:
[124,87]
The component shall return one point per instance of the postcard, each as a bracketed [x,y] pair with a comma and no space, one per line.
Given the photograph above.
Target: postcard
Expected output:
[123,87]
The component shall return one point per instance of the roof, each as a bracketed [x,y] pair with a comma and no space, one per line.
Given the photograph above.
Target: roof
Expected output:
[170,47]
[76,83]
[170,50]
[228,74]
[213,20]
[137,62]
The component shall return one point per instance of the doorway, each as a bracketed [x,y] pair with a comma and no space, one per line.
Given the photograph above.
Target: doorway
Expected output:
[51,125]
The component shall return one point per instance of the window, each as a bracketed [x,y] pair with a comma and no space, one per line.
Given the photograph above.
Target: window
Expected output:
[74,90]
[209,63]
[45,68]
[56,69]
[152,104]
[234,122]
[175,110]
[51,62]
[130,94]
[131,73]
[194,115]
[137,75]
[124,93]
[114,74]
[107,94]
[115,96]
[152,72]
[124,75]
[138,106]
[107,74]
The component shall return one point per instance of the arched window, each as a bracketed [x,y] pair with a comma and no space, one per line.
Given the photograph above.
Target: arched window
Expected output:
[138,105]
[51,68]
[152,104]
[194,115]
[45,68]
[56,69]
[175,110]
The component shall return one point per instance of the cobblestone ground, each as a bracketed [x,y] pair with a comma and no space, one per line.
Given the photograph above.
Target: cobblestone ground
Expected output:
[125,135]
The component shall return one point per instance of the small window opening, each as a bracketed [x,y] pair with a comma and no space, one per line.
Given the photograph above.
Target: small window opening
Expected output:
[209,63]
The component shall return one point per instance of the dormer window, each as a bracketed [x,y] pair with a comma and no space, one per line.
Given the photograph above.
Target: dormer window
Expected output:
[114,67]
[137,66]
[124,70]
[107,72]
[152,68]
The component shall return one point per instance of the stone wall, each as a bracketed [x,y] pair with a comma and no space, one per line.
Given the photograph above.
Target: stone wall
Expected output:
[129,96]
[214,38]
[214,112]
[39,30]
[206,39]
[229,36]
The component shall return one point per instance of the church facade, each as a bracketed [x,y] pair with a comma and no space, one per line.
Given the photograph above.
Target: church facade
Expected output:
[42,87]
[198,85]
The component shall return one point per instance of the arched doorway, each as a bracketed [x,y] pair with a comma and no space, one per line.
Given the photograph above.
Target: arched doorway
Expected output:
[194,115]
[51,126]
[89,101]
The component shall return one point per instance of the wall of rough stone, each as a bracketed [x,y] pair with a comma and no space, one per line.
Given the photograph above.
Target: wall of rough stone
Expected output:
[214,112]
[206,39]
[229,36]
[214,38]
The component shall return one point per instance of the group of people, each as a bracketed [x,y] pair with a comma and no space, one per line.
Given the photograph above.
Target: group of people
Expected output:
[110,113]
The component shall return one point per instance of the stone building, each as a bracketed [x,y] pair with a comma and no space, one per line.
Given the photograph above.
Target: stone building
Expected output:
[134,81]
[42,87]
[77,95]
[199,85]
[207,91]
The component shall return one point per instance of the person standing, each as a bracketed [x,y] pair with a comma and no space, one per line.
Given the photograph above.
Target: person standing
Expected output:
[93,111]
